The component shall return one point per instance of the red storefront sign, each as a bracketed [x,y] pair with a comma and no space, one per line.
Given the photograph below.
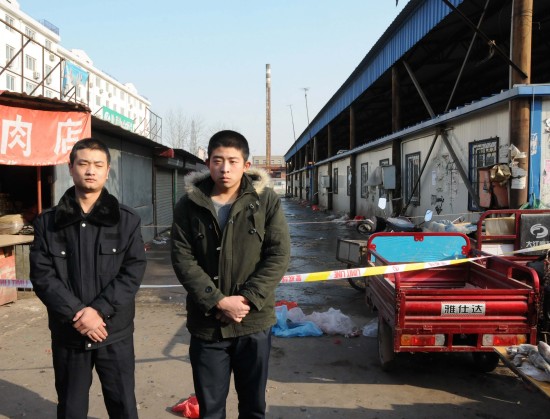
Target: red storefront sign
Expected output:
[31,137]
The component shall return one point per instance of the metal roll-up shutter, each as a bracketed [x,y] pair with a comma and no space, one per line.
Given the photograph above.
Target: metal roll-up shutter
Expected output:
[163,204]
[180,185]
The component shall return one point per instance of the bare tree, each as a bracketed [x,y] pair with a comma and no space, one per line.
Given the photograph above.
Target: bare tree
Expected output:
[195,138]
[177,128]
[189,133]
[220,126]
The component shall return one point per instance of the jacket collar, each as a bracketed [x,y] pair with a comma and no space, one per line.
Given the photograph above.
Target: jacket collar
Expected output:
[106,211]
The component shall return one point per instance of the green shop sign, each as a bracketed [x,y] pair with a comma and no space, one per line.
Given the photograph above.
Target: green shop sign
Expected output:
[116,118]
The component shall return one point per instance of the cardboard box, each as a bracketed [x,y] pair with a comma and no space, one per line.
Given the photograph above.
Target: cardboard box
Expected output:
[501,226]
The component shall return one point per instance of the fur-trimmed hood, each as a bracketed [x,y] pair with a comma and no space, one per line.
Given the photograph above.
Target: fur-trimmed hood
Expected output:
[106,210]
[258,178]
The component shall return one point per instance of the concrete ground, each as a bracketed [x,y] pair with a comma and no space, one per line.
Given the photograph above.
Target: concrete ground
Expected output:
[312,377]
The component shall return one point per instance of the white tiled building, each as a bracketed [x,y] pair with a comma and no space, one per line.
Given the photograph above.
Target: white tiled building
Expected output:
[32,61]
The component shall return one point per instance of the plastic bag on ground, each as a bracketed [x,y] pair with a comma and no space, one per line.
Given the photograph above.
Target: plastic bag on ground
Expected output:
[188,408]
[296,315]
[286,329]
[370,330]
[333,322]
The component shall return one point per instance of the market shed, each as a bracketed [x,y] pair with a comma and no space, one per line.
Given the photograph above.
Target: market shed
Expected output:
[435,58]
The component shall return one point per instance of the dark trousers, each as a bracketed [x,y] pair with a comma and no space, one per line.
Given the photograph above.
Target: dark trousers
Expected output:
[212,362]
[115,366]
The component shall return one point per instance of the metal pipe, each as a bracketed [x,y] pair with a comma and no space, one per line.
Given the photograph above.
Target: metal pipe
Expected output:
[489,41]
[467,56]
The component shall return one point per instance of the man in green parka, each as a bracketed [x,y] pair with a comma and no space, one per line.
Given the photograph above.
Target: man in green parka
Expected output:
[230,249]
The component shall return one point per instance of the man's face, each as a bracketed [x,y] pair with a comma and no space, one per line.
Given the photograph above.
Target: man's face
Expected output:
[227,167]
[90,170]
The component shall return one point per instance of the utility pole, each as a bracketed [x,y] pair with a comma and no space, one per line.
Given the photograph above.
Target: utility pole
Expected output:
[305,89]
[268,118]
[520,109]
[292,117]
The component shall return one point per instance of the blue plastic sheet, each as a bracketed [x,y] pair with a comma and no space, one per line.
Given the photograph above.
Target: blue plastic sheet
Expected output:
[286,329]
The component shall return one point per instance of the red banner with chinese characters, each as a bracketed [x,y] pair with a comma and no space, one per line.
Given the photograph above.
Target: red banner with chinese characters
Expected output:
[31,137]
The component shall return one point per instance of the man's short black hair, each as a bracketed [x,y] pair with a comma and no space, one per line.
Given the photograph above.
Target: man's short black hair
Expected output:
[228,138]
[92,144]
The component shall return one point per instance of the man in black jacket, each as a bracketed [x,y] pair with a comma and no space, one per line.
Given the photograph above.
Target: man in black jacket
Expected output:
[87,262]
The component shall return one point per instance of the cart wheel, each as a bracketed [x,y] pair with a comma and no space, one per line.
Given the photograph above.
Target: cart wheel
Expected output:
[366,228]
[385,345]
[485,361]
[358,283]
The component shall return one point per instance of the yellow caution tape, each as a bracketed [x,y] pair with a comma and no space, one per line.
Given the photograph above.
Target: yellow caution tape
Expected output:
[333,275]
[373,270]
[390,269]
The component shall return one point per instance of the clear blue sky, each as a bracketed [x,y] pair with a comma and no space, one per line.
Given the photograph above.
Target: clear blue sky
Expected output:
[207,58]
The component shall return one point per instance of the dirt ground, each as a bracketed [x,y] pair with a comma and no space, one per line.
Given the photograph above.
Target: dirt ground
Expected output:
[311,377]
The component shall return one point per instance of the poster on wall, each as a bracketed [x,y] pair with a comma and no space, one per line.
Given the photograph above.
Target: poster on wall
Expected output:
[519,178]
[73,76]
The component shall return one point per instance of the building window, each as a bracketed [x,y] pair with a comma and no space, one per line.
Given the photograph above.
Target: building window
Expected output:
[122,94]
[29,87]
[349,180]
[9,23]
[29,32]
[10,82]
[98,82]
[364,178]
[10,52]
[98,101]
[381,190]
[480,154]
[256,161]
[412,177]
[49,93]
[335,181]
[48,44]
[30,63]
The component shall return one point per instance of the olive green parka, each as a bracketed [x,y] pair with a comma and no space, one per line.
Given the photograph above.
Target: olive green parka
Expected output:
[249,257]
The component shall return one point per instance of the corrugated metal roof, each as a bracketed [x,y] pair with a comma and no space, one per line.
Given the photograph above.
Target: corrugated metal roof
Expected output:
[410,26]
[22,100]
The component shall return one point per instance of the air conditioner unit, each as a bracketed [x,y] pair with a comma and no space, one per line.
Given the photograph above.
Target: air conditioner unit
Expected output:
[91,84]
[52,56]
[110,95]
[100,90]
[36,75]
